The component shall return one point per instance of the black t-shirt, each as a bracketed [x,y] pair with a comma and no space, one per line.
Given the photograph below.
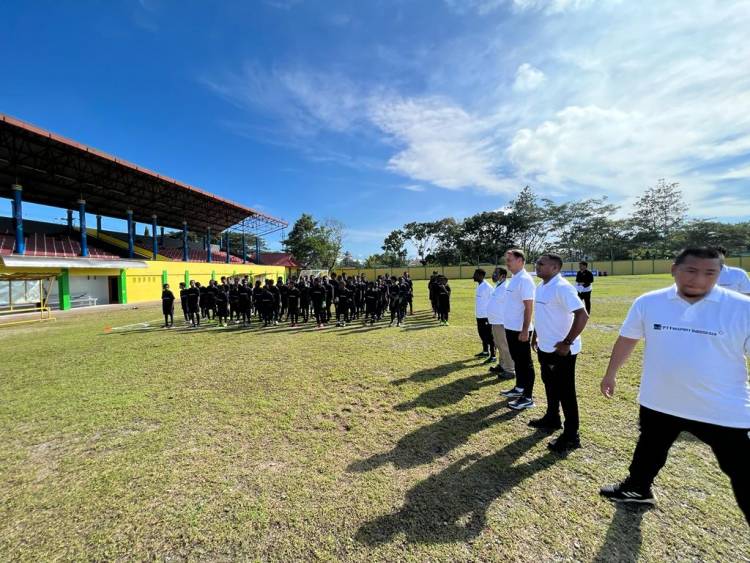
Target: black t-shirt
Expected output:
[585,278]
[317,295]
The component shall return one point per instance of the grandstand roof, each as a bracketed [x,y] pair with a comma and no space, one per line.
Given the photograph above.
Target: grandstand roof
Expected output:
[57,171]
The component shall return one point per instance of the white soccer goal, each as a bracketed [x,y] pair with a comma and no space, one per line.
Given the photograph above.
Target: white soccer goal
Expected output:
[313,273]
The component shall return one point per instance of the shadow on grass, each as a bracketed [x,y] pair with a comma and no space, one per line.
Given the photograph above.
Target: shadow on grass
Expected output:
[623,540]
[450,393]
[452,505]
[435,440]
[428,374]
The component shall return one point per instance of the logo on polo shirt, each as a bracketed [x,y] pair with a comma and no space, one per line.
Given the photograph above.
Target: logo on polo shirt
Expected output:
[658,326]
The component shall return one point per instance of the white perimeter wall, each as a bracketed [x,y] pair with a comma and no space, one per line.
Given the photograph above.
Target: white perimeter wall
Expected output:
[86,286]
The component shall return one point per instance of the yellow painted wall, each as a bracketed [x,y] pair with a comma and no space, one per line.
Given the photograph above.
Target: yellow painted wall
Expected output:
[145,284]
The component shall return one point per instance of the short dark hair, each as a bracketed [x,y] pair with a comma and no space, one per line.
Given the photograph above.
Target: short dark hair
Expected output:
[583,263]
[480,271]
[553,258]
[501,271]
[704,252]
[517,252]
[721,249]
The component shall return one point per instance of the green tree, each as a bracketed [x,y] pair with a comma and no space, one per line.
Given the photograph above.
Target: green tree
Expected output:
[659,213]
[394,245]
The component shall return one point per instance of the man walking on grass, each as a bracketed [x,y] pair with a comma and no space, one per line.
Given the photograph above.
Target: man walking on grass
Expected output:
[484,291]
[505,369]
[697,338]
[560,317]
[517,312]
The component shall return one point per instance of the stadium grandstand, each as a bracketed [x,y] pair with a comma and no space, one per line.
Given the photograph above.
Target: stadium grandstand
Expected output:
[86,265]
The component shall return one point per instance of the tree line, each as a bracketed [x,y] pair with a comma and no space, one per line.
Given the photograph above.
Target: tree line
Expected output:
[591,228]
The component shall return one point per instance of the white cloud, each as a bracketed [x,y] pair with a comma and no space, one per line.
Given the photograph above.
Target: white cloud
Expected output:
[528,78]
[414,188]
[442,143]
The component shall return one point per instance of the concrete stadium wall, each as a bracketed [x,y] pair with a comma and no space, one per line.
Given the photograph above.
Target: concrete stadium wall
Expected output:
[612,267]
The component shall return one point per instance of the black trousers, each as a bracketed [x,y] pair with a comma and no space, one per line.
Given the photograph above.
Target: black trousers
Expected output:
[484,328]
[731,446]
[559,378]
[521,354]
[585,296]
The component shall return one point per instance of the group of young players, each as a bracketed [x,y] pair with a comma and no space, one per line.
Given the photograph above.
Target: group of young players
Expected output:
[345,298]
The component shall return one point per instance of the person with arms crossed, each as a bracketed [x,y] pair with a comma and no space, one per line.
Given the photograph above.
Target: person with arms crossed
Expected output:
[505,369]
[517,311]
[559,318]
[697,338]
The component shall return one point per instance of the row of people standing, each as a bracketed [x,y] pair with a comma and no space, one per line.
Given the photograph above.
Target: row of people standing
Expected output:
[694,375]
[297,301]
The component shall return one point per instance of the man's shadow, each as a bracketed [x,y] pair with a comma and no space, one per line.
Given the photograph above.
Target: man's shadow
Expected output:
[428,374]
[624,537]
[435,440]
[452,505]
[450,393]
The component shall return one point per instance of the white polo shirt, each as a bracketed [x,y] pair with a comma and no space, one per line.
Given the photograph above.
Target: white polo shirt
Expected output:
[495,306]
[694,356]
[520,288]
[735,279]
[554,304]
[484,291]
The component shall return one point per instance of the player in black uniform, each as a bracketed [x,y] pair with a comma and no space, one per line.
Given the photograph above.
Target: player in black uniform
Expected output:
[433,295]
[222,302]
[257,293]
[342,303]
[243,302]
[317,298]
[184,302]
[292,301]
[410,294]
[371,302]
[330,295]
[211,299]
[394,303]
[304,299]
[234,301]
[443,298]
[193,295]
[167,306]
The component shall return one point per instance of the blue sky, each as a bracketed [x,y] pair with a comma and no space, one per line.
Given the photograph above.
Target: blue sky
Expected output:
[381,112]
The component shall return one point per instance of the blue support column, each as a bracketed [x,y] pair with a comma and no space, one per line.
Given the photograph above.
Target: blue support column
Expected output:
[82,223]
[18,219]
[185,252]
[244,249]
[131,240]
[70,220]
[257,250]
[227,249]
[162,236]
[154,240]
[208,244]
[98,224]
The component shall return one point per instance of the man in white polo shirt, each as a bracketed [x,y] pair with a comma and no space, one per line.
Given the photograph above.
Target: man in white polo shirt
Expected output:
[484,291]
[517,311]
[505,369]
[733,278]
[697,336]
[560,316]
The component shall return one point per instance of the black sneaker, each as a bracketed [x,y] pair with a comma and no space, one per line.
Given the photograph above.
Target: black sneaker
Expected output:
[521,403]
[624,492]
[545,423]
[490,360]
[481,354]
[564,443]
[507,375]
[512,393]
[496,369]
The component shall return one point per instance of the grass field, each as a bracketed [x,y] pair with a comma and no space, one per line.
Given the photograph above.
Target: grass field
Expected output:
[356,443]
